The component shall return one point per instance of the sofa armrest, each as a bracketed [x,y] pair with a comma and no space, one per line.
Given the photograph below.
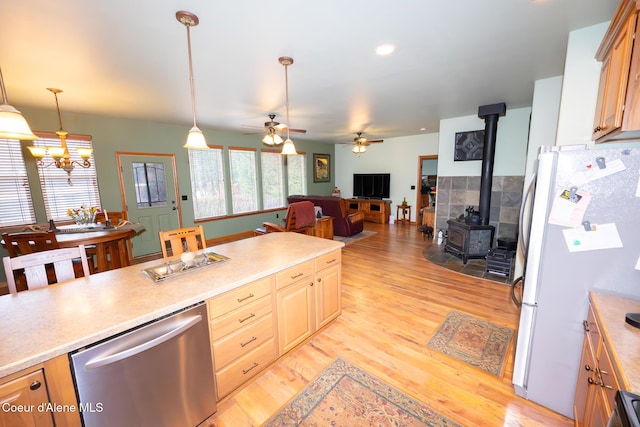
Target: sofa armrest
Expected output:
[270,227]
[355,217]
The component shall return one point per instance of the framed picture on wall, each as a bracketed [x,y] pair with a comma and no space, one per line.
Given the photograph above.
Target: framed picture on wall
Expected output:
[469,145]
[321,167]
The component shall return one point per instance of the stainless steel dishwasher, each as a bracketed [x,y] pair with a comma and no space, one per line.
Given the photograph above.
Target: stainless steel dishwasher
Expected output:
[160,374]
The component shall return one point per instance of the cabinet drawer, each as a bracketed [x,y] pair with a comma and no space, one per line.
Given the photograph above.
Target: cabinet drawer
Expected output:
[328,260]
[610,382]
[240,297]
[223,325]
[245,368]
[592,333]
[237,344]
[293,274]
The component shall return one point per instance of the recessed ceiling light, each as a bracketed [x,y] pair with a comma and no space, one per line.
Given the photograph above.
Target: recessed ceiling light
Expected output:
[423,129]
[385,49]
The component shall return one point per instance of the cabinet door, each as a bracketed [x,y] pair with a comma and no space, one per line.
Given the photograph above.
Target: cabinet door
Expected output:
[631,120]
[22,396]
[616,68]
[585,387]
[295,316]
[328,295]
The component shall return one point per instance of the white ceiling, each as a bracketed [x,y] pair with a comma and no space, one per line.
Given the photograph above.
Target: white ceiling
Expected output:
[129,58]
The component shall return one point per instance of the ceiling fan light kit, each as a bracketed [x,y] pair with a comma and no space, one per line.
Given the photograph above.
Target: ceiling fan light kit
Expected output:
[360,143]
[195,138]
[12,124]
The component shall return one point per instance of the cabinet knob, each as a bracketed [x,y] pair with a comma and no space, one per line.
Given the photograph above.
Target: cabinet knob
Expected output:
[588,368]
[597,129]
[319,279]
[590,380]
[35,385]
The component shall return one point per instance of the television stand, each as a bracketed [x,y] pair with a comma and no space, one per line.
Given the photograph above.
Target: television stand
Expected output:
[374,210]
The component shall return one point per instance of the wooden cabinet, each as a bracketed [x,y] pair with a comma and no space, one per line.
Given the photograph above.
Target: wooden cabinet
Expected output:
[39,395]
[308,297]
[324,227]
[617,115]
[597,379]
[253,325]
[21,401]
[242,334]
[373,210]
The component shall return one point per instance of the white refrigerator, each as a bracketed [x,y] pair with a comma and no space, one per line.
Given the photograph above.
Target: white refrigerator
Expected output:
[584,234]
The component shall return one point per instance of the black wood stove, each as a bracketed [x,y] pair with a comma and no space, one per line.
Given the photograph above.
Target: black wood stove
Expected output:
[472,236]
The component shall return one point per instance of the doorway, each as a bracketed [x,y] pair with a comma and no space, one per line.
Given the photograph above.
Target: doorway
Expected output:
[426,194]
[149,191]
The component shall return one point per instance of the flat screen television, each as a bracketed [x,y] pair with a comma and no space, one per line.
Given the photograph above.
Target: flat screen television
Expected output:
[371,185]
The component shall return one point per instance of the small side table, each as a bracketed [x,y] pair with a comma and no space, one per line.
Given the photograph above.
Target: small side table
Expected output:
[406,213]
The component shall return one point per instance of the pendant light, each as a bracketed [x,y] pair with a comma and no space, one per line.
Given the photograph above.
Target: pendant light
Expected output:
[12,124]
[195,138]
[288,148]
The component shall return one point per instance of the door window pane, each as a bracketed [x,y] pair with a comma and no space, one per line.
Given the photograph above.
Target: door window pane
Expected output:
[150,183]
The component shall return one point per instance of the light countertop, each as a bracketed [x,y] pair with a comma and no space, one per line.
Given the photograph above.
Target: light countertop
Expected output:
[41,324]
[623,339]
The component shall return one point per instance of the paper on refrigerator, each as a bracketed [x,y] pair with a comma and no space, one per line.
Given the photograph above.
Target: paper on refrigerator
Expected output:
[601,236]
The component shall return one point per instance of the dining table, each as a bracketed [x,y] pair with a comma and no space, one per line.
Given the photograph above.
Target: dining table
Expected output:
[109,247]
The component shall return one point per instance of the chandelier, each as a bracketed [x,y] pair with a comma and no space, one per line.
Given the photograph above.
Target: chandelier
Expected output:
[60,155]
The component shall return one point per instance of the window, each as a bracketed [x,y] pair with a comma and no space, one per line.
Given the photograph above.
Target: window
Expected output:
[15,194]
[207,183]
[272,179]
[62,191]
[244,197]
[296,175]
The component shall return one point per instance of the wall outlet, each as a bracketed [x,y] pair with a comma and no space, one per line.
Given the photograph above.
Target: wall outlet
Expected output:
[413,187]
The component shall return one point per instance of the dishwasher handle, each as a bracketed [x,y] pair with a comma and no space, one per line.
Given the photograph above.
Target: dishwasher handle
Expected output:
[113,358]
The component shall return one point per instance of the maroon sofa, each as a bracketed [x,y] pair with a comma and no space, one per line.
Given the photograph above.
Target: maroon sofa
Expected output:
[344,224]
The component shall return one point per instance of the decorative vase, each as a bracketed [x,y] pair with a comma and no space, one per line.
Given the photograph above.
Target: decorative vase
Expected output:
[404,201]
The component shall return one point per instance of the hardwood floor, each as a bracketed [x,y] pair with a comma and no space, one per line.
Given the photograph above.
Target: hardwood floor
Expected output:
[393,301]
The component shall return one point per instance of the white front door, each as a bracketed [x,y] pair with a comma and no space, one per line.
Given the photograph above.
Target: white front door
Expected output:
[151,197]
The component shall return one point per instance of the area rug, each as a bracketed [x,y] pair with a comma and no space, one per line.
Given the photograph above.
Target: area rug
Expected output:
[344,395]
[474,341]
[347,240]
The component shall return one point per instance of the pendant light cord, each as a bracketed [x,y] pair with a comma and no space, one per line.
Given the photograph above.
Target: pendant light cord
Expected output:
[193,92]
[286,85]
[4,92]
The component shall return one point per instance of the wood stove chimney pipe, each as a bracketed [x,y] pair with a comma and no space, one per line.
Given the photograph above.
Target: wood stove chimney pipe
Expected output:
[490,113]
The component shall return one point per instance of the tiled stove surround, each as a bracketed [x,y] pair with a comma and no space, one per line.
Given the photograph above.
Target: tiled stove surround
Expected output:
[456,193]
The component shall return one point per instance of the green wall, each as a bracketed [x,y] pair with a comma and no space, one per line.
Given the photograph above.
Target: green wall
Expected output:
[111,135]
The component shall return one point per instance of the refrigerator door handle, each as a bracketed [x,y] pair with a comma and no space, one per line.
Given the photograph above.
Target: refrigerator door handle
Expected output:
[528,195]
[132,351]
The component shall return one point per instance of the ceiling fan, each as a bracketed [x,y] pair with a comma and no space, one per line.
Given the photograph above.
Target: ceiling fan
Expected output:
[272,127]
[361,143]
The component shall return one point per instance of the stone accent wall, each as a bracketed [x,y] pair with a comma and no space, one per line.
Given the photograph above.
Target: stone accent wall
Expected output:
[456,193]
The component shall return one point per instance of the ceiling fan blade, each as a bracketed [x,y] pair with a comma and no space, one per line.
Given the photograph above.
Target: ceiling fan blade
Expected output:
[298,130]
[371,141]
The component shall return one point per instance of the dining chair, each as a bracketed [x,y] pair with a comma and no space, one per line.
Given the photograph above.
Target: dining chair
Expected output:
[182,240]
[22,243]
[300,218]
[115,218]
[35,267]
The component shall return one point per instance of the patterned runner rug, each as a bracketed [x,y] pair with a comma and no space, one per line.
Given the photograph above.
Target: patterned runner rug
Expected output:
[474,341]
[344,395]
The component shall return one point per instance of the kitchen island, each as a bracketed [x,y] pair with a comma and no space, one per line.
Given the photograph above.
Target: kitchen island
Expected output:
[41,325]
